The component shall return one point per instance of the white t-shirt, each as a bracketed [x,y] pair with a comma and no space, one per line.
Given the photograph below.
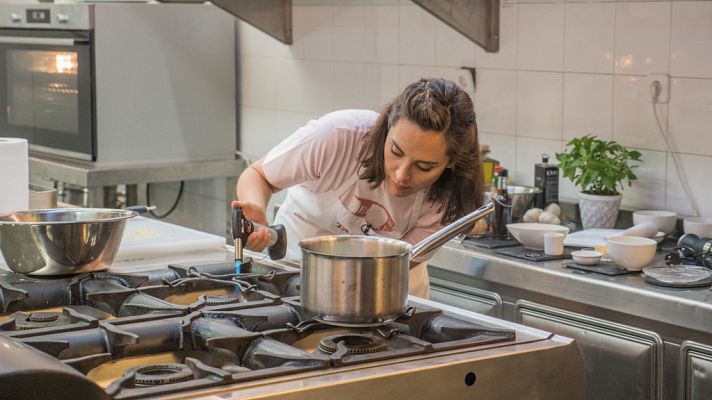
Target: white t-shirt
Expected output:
[321,160]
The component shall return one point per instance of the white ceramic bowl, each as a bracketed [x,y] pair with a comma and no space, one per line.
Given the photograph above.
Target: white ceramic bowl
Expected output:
[663,220]
[699,226]
[631,252]
[586,257]
[531,235]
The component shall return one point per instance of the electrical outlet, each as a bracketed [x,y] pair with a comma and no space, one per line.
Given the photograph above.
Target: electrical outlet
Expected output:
[463,81]
[466,79]
[655,86]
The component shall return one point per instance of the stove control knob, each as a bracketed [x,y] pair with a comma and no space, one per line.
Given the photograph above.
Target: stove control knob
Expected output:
[62,18]
[15,17]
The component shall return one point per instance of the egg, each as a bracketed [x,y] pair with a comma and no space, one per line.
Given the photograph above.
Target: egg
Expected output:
[532,215]
[553,208]
[480,228]
[548,218]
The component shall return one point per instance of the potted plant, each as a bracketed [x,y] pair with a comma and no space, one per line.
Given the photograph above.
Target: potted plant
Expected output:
[599,168]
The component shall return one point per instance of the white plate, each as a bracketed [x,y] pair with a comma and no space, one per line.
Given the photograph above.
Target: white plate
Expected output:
[677,274]
[590,237]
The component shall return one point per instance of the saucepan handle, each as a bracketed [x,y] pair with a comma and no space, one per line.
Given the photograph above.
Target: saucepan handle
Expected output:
[140,209]
[440,237]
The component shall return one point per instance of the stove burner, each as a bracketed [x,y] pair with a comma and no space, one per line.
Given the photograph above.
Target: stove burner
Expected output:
[355,343]
[163,374]
[43,317]
[218,300]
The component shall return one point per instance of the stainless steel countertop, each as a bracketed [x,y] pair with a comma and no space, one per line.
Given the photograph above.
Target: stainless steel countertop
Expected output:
[628,294]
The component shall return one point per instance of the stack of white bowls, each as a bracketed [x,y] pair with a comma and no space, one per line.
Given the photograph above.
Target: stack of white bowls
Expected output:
[633,252]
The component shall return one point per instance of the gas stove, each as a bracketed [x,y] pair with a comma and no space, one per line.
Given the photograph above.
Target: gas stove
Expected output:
[197,330]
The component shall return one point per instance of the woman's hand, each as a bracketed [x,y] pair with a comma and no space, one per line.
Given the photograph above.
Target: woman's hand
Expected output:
[259,239]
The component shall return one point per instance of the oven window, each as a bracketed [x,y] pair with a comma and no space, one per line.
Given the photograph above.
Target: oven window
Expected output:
[43,90]
[47,92]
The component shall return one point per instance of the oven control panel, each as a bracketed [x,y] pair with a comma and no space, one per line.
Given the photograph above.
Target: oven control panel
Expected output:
[49,16]
[38,16]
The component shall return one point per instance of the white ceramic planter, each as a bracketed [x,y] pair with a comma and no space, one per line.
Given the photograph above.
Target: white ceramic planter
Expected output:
[599,211]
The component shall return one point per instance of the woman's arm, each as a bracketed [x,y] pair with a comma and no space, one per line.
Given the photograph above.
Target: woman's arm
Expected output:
[253,187]
[254,192]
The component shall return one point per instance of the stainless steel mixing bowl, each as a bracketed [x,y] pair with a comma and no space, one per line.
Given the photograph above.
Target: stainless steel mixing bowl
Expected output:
[61,241]
[523,198]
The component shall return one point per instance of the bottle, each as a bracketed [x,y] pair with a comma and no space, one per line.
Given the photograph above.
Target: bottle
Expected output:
[546,178]
[488,164]
[490,193]
[502,207]
[495,182]
[495,177]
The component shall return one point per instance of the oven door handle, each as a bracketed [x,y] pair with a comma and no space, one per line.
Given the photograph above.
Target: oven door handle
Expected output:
[39,41]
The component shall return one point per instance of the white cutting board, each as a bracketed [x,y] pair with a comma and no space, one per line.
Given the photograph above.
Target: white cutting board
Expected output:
[590,237]
[146,238]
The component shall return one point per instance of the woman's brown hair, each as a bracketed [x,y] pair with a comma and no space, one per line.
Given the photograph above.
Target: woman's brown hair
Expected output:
[434,105]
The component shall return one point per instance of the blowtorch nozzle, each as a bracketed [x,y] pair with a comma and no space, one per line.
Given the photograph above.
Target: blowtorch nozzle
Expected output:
[237,228]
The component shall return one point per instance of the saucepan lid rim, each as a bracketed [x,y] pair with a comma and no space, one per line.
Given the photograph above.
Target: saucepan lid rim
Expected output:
[404,246]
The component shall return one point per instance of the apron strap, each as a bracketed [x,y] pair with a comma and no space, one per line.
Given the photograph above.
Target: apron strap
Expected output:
[347,185]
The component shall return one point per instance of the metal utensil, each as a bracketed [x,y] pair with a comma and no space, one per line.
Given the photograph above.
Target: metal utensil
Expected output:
[363,280]
[61,241]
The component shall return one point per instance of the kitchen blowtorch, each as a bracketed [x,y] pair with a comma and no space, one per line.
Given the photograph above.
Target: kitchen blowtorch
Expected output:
[242,228]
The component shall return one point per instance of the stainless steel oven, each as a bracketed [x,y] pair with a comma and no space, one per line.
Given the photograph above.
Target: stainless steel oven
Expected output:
[48,94]
[119,83]
[46,75]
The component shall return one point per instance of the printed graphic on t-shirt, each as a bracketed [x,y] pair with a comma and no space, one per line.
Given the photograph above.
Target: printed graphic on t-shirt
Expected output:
[375,214]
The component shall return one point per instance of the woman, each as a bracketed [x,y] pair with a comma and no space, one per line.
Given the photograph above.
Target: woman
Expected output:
[403,173]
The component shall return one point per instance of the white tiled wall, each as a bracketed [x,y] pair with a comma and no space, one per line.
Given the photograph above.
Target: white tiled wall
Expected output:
[564,69]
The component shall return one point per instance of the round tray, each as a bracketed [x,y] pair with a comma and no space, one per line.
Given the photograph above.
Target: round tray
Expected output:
[682,276]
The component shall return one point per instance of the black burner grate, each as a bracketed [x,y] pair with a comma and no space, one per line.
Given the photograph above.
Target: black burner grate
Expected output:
[196,329]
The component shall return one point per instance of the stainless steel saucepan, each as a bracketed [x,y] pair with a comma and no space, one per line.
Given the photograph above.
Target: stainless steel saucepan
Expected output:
[363,280]
[61,241]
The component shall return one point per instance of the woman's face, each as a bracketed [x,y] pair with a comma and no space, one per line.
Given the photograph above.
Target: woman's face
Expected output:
[414,159]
